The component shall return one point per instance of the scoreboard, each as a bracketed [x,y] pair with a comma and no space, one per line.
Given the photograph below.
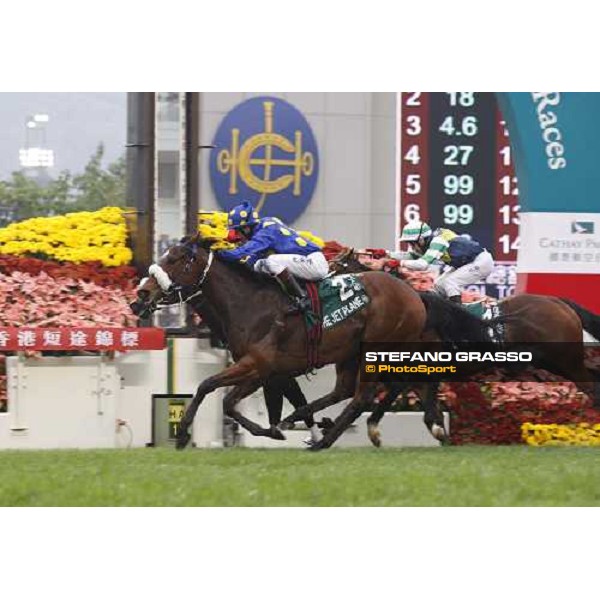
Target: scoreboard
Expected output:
[456,171]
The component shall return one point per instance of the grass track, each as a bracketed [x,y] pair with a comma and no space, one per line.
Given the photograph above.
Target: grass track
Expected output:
[459,476]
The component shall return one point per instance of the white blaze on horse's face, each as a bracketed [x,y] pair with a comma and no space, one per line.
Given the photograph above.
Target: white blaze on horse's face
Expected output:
[161,276]
[143,282]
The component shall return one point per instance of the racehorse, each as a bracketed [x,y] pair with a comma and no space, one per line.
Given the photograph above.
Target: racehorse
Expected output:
[526,318]
[264,341]
[274,389]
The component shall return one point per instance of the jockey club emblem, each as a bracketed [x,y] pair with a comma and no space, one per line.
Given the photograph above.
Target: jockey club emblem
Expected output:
[265,152]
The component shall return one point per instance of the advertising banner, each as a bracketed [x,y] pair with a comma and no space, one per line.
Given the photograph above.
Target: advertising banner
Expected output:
[555,138]
[99,339]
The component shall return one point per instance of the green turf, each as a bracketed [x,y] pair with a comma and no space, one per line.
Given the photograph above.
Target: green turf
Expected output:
[458,476]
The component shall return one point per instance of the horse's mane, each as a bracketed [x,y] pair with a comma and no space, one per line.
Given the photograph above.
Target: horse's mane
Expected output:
[455,324]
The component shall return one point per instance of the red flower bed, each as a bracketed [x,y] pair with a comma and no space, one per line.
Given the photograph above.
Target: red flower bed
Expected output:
[93,272]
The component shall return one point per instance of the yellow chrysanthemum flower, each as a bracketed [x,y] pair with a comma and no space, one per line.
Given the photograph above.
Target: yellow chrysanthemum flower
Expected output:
[75,237]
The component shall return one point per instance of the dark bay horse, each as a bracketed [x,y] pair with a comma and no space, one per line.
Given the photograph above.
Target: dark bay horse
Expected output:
[275,389]
[556,323]
[263,341]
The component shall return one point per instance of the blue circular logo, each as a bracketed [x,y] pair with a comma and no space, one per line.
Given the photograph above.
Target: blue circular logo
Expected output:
[265,153]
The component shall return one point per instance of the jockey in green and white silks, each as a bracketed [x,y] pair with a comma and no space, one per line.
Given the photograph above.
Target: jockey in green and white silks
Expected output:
[469,262]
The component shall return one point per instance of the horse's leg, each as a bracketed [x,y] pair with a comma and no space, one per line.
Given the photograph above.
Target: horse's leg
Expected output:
[233,398]
[344,388]
[380,410]
[293,392]
[243,371]
[273,390]
[354,409]
[433,417]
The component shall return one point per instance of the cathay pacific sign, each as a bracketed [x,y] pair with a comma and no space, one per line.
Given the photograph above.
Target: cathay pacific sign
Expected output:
[560,243]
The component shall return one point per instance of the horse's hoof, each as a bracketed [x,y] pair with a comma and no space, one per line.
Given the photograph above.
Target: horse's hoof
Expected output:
[275,434]
[182,441]
[374,436]
[316,447]
[439,433]
[287,425]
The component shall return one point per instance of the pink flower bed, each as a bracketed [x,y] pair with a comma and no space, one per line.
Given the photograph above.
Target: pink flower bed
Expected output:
[42,301]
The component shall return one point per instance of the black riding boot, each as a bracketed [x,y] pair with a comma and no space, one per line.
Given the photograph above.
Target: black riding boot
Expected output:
[455,299]
[293,289]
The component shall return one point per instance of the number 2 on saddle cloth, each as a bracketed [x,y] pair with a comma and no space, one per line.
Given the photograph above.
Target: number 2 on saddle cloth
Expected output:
[333,300]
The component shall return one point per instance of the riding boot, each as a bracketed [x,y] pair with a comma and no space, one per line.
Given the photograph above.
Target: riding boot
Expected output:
[455,299]
[293,289]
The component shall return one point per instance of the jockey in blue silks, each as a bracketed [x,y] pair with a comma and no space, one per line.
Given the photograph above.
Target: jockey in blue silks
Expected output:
[273,248]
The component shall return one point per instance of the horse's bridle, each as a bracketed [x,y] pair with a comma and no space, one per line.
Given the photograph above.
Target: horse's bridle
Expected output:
[170,288]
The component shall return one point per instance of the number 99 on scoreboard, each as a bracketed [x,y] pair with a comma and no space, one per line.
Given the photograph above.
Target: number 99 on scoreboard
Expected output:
[455,170]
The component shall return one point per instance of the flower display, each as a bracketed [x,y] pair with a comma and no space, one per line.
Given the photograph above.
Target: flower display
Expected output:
[76,237]
[494,413]
[92,272]
[44,301]
[580,434]
[213,226]
[422,281]
[67,271]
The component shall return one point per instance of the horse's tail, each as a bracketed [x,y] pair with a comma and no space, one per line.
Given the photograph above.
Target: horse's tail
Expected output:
[589,321]
[455,324]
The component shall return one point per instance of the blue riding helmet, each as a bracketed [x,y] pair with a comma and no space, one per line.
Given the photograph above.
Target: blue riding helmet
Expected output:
[243,215]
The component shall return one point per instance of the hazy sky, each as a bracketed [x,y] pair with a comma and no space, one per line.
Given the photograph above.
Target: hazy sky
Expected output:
[78,122]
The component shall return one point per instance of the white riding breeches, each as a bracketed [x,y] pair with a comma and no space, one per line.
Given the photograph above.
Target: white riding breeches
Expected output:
[452,282]
[313,267]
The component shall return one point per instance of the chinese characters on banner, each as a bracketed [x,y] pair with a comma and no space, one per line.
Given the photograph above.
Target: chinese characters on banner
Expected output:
[99,339]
